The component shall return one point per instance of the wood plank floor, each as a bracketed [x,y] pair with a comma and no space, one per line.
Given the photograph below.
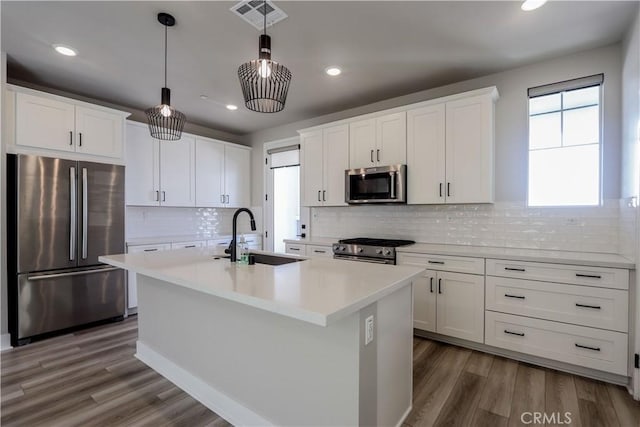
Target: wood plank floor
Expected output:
[91,378]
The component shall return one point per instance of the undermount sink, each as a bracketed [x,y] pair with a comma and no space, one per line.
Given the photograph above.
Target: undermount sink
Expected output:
[273,259]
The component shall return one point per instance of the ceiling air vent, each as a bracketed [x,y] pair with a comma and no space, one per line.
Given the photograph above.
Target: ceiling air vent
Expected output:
[253,12]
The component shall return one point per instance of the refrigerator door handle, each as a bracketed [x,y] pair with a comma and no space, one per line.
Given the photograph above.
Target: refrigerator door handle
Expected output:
[71,273]
[85,213]
[72,214]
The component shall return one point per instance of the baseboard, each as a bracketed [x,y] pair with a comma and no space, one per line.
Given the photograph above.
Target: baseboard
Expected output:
[534,360]
[5,342]
[218,402]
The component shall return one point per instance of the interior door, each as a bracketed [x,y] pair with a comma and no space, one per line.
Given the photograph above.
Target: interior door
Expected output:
[100,211]
[45,197]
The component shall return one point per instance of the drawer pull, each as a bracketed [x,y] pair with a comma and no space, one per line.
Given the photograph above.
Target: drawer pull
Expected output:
[514,296]
[588,347]
[294,249]
[597,307]
[190,246]
[436,262]
[319,252]
[150,250]
[520,334]
[514,269]
[431,284]
[589,276]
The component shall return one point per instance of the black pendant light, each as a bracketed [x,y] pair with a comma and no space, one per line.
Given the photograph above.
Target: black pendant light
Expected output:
[264,82]
[165,122]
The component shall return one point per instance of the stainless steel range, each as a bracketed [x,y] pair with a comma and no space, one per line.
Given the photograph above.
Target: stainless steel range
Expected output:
[381,251]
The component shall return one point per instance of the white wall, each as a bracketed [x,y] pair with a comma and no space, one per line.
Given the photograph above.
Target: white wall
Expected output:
[511,117]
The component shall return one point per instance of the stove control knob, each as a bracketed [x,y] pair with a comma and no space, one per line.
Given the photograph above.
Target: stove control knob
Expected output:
[379,251]
[342,248]
[387,252]
[360,250]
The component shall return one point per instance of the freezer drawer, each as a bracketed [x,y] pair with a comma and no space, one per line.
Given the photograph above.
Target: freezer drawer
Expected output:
[51,301]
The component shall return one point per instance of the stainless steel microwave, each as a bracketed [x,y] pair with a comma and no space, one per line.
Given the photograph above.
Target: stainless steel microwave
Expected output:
[382,184]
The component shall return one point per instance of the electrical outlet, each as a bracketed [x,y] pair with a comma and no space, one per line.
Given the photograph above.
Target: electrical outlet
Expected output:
[368,330]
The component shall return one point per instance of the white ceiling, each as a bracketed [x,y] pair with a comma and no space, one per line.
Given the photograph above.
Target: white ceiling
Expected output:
[385,49]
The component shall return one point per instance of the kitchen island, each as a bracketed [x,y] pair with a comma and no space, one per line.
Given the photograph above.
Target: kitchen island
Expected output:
[278,345]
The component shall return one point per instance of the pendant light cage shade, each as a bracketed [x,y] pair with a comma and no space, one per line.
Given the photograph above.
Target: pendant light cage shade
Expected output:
[264,94]
[165,122]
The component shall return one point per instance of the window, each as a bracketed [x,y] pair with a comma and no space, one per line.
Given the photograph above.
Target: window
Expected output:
[565,143]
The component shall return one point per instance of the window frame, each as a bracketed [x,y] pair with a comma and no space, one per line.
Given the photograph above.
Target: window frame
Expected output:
[565,86]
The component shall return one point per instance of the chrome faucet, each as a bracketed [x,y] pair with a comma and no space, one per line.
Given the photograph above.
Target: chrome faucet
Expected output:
[232,246]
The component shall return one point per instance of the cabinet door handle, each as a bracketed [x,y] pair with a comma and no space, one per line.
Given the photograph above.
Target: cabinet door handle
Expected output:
[590,276]
[80,139]
[378,155]
[439,286]
[164,196]
[587,347]
[440,189]
[431,284]
[150,250]
[157,196]
[70,137]
[222,199]
[448,189]
[436,262]
[319,191]
[520,334]
[514,296]
[371,156]
[595,307]
[228,197]
[324,195]
[514,269]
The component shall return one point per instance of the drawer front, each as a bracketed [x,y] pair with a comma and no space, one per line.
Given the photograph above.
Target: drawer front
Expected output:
[561,273]
[186,245]
[444,263]
[295,248]
[578,345]
[580,305]
[224,243]
[320,251]
[148,248]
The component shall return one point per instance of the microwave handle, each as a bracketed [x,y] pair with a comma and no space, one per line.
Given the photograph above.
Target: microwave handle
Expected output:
[393,185]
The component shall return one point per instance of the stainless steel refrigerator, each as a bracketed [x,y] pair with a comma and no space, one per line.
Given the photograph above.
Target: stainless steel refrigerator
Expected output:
[62,215]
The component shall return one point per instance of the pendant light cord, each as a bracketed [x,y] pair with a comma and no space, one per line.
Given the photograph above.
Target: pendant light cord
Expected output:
[264,13]
[165,55]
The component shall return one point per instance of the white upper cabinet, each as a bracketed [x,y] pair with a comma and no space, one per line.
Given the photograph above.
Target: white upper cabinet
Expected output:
[45,122]
[177,172]
[209,173]
[142,171]
[380,141]
[237,176]
[158,173]
[325,157]
[223,173]
[450,151]
[98,132]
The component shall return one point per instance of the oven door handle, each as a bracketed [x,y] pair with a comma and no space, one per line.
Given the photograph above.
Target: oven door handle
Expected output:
[361,259]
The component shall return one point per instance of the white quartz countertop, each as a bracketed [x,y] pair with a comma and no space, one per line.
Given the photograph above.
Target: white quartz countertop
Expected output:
[316,290]
[313,241]
[535,255]
[180,238]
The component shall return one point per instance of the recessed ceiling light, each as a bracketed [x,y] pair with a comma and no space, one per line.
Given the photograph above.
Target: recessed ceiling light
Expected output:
[333,71]
[232,107]
[65,50]
[204,97]
[532,4]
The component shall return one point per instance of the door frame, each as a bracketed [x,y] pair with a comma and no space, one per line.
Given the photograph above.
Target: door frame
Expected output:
[267,202]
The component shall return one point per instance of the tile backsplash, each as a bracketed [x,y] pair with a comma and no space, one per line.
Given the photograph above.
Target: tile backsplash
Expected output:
[502,224]
[153,221]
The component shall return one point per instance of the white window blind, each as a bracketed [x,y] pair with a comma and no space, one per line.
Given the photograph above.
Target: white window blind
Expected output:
[283,157]
[565,128]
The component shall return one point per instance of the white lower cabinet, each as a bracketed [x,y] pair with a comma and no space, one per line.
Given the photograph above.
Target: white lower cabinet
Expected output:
[319,251]
[188,245]
[448,302]
[132,287]
[295,248]
[578,345]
